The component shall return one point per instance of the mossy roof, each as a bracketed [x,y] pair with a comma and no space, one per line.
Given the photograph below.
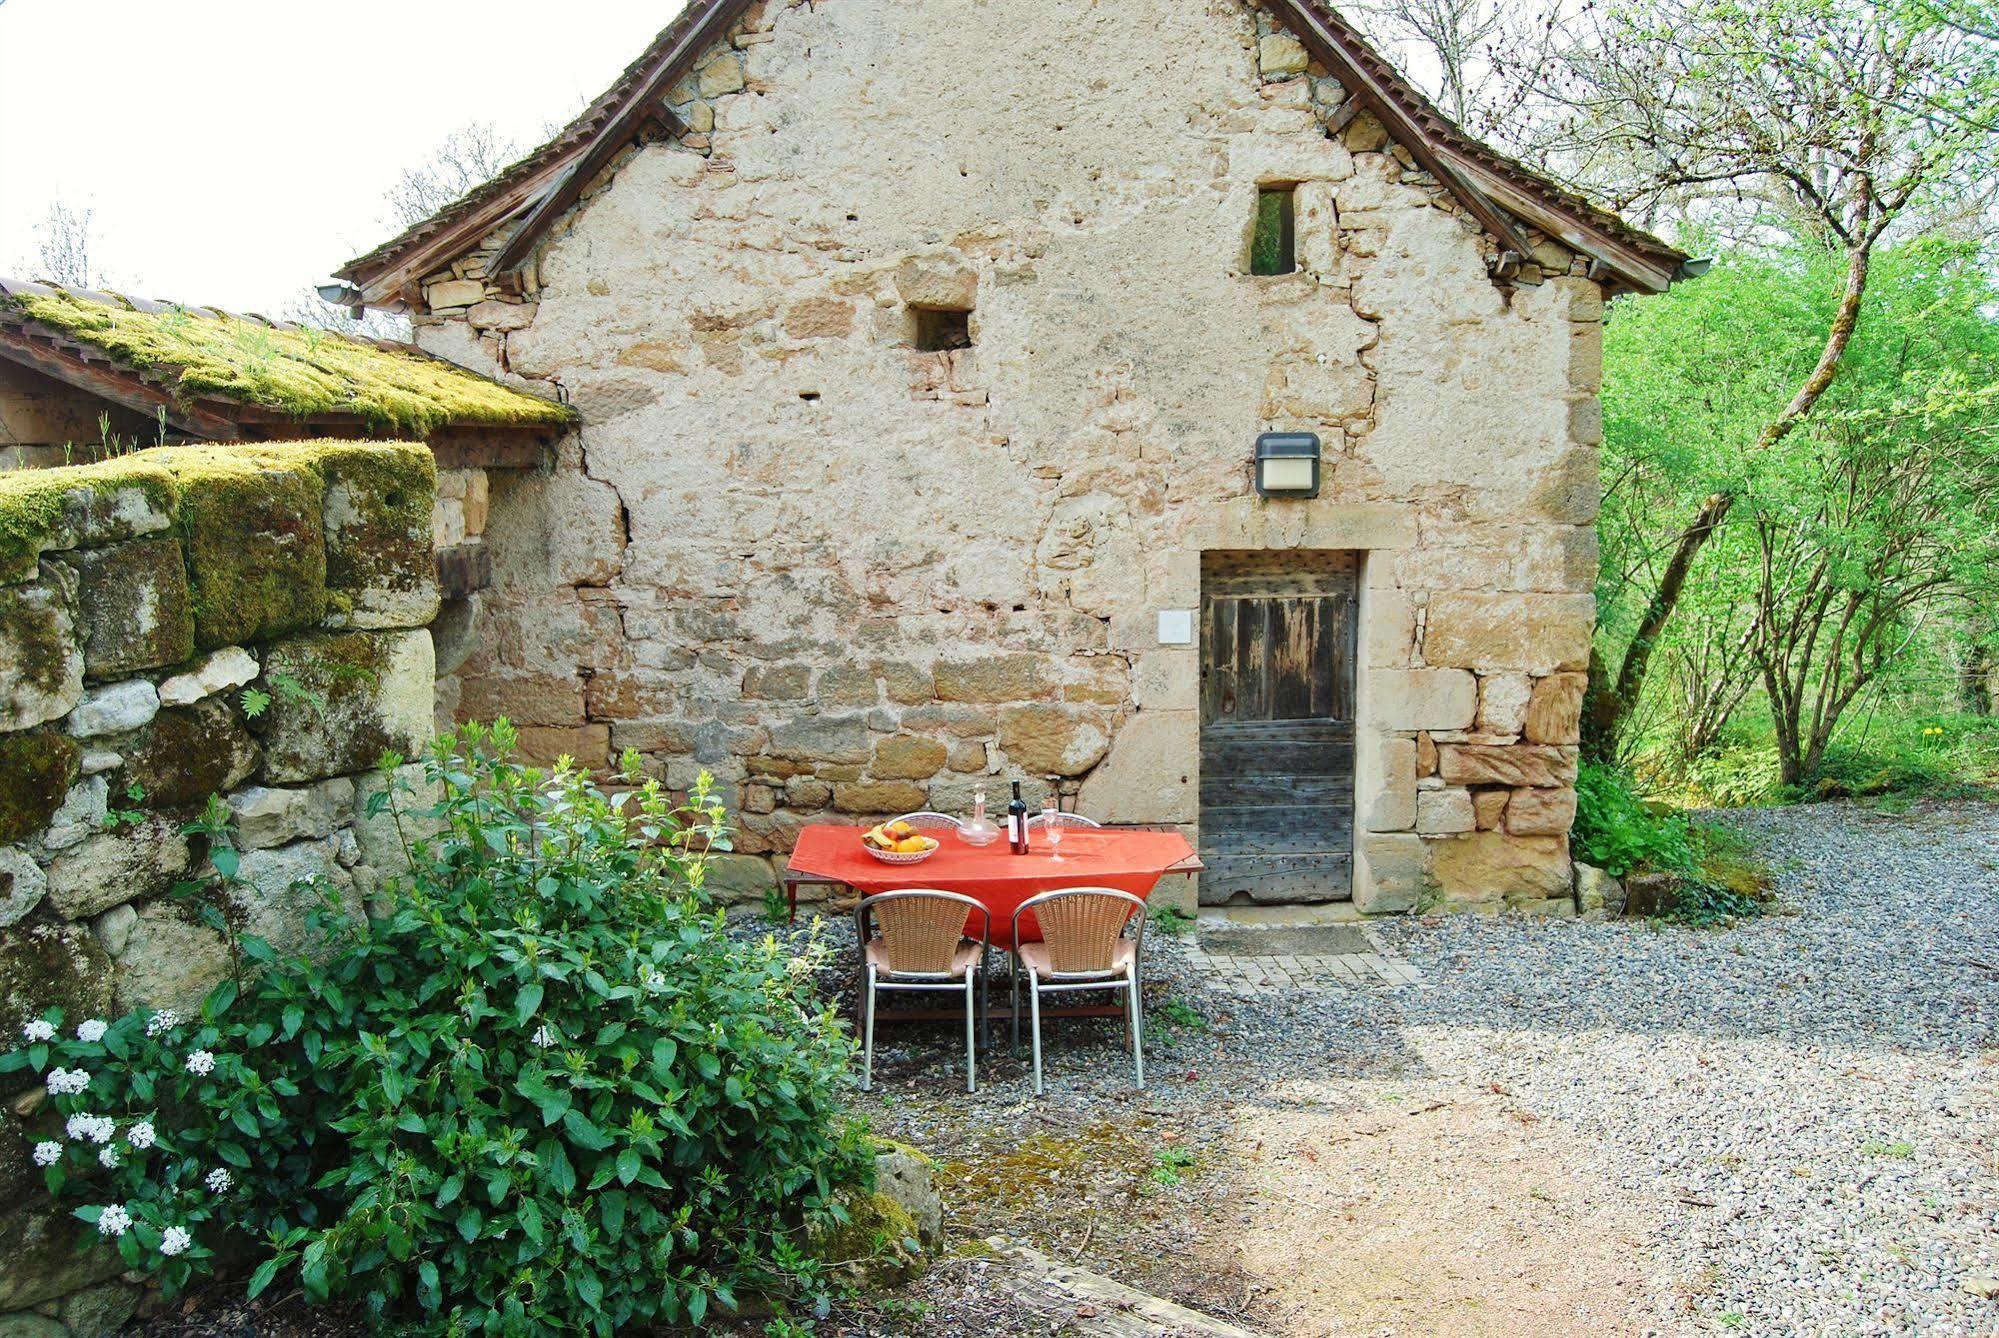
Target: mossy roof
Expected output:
[198,354]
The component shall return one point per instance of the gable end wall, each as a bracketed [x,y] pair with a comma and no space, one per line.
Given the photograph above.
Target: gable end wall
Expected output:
[850,578]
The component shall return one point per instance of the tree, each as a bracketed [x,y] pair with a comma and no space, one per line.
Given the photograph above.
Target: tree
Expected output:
[468,158]
[64,243]
[1836,123]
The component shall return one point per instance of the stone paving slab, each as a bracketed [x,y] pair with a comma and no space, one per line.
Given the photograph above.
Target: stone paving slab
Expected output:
[1287,968]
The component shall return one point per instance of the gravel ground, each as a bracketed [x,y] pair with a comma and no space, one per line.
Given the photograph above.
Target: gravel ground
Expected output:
[1791,1124]
[1786,1127]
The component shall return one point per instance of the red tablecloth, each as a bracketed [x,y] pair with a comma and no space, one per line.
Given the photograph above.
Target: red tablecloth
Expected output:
[994,876]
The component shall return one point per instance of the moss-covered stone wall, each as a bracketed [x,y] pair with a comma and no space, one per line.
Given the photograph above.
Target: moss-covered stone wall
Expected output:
[248,623]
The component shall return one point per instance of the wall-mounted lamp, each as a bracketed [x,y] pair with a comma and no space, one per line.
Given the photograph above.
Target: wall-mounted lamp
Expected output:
[1287,464]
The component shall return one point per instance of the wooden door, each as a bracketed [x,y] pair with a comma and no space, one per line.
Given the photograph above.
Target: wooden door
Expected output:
[1279,633]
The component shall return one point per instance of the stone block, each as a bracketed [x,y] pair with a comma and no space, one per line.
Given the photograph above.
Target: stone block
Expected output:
[778,682]
[878,797]
[1532,633]
[739,880]
[36,772]
[40,1258]
[183,756]
[44,966]
[84,810]
[1385,774]
[1391,873]
[381,830]
[1047,740]
[100,1311]
[1002,678]
[132,606]
[908,757]
[1490,807]
[1490,867]
[266,816]
[1150,773]
[22,885]
[1541,812]
[41,664]
[1390,622]
[907,685]
[230,667]
[256,548]
[588,746]
[276,889]
[846,687]
[721,76]
[170,959]
[85,508]
[1502,703]
[368,693]
[1412,699]
[115,708]
[1599,895]
[114,928]
[377,518]
[1445,812]
[140,860]
[524,698]
[502,316]
[454,293]
[1280,55]
[1519,765]
[822,738]
[945,282]
[1554,713]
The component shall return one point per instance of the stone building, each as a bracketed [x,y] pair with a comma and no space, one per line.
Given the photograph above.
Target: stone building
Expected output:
[922,349]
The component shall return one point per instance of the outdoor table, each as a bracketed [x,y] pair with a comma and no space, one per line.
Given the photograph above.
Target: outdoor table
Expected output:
[1129,859]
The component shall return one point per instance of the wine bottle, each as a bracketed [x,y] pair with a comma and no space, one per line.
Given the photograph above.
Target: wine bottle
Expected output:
[1016,822]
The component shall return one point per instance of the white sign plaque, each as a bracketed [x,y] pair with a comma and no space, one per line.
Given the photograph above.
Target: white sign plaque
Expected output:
[1176,627]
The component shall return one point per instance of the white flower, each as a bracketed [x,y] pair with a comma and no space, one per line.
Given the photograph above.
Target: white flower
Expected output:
[218,1180]
[175,1240]
[67,1082]
[651,979]
[543,1037]
[201,1063]
[48,1153]
[91,1032]
[37,1031]
[113,1221]
[109,1157]
[141,1135]
[164,1020]
[91,1128]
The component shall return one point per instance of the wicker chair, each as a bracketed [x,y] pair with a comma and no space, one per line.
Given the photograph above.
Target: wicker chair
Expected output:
[931,822]
[1083,947]
[1041,820]
[922,946]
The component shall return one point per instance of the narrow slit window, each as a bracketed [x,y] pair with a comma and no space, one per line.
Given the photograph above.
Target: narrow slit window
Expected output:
[938,331]
[1274,249]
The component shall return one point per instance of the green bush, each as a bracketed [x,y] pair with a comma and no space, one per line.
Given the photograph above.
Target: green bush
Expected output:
[1617,832]
[545,1092]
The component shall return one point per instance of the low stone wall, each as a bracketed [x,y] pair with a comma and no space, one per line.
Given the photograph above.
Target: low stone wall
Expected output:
[247,623]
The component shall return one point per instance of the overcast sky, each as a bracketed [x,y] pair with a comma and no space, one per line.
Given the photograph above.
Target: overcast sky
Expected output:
[233,152]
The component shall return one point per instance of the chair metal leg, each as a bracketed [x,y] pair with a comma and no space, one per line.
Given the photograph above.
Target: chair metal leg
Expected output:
[1136,1012]
[971,1043]
[868,1031]
[1013,989]
[1034,1011]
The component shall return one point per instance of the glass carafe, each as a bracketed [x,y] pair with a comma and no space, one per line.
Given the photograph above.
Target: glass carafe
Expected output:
[978,830]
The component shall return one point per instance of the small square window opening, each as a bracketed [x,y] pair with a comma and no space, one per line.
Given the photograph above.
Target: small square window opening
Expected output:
[939,331]
[1274,248]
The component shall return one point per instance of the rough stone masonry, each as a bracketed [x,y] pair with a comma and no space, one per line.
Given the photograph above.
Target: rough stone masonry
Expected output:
[852,577]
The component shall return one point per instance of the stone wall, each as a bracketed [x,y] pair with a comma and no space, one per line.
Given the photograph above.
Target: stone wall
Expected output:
[140,599]
[851,576]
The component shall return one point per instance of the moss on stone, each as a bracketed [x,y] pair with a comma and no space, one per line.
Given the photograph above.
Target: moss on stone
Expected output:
[877,1244]
[42,509]
[185,754]
[36,770]
[303,373]
[379,501]
[256,545]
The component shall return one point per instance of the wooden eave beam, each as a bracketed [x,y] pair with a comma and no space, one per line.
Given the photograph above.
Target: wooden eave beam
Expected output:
[1624,263]
[1331,48]
[621,129]
[113,382]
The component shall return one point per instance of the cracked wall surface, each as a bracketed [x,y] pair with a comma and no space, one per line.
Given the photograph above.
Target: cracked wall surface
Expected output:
[850,577]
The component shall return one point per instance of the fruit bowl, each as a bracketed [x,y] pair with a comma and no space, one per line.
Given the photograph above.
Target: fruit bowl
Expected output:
[904,856]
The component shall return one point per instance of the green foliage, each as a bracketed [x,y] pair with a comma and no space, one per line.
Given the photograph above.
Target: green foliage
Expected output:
[1169,1166]
[1617,832]
[304,373]
[547,1092]
[1170,920]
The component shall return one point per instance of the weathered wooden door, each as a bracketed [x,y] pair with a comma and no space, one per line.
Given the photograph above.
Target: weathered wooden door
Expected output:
[1278,641]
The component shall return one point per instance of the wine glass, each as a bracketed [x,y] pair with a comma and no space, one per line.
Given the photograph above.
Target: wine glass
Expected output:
[1051,827]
